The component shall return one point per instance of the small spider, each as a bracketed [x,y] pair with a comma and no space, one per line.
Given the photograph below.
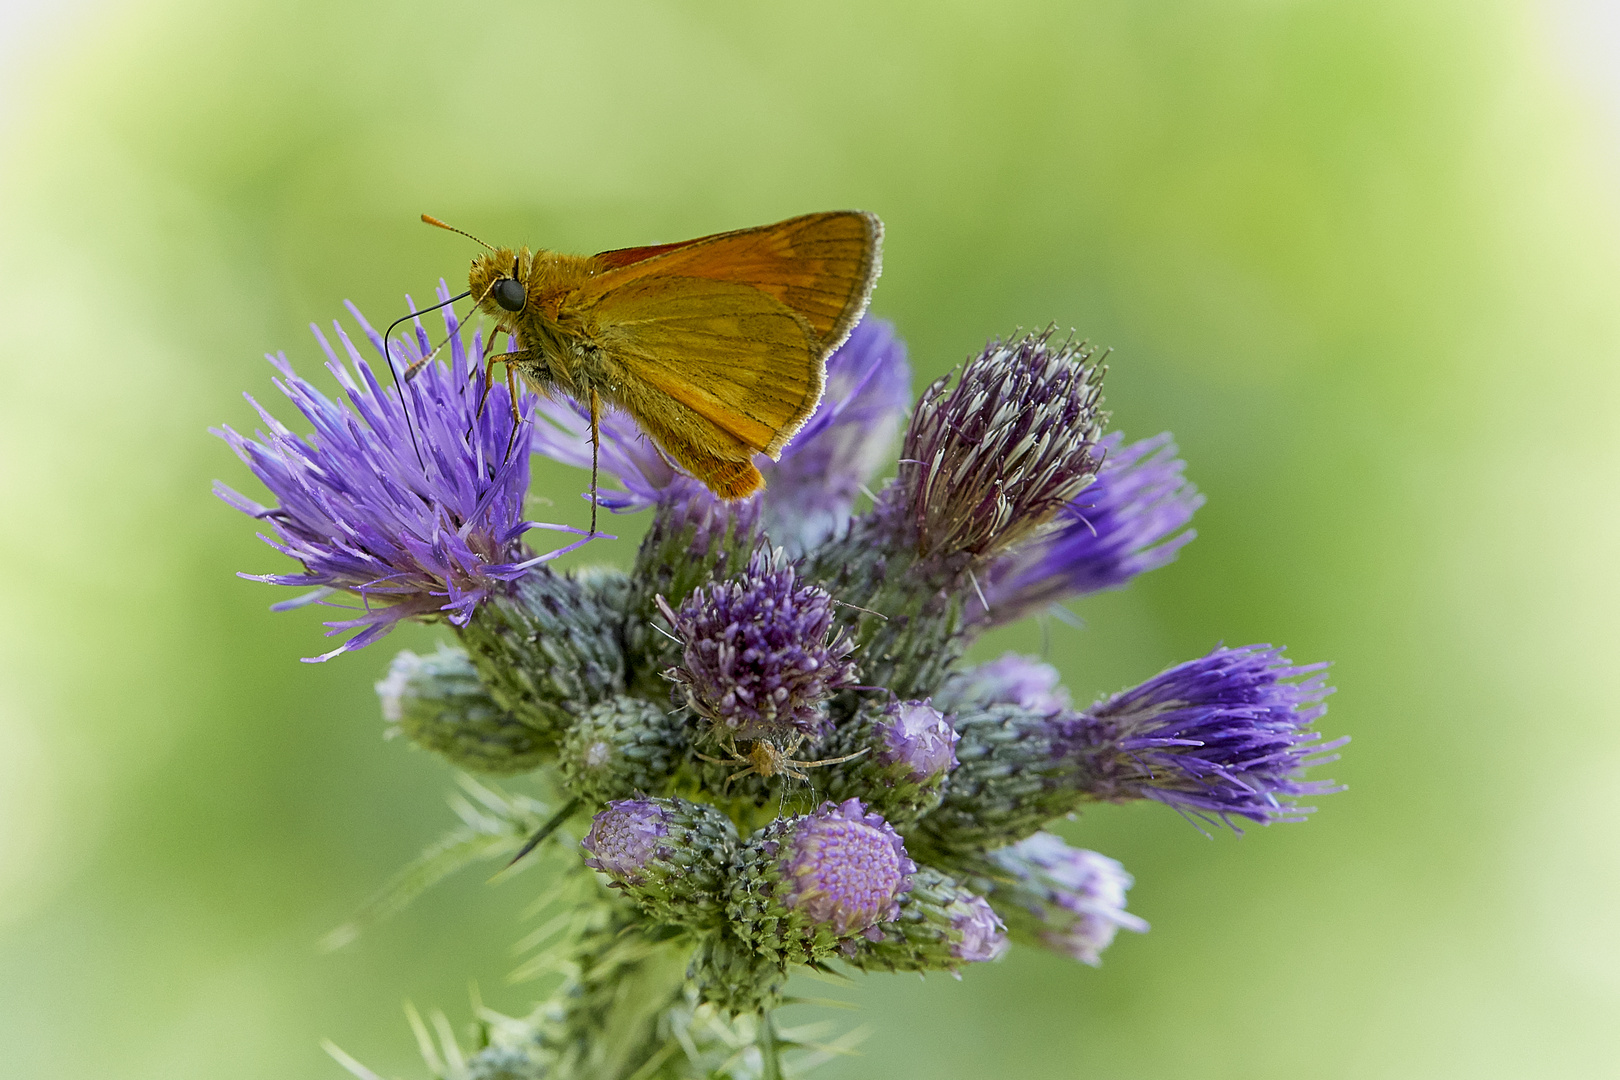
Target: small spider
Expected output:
[767,760]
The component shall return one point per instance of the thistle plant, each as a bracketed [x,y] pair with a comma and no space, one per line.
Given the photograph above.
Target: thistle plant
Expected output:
[761,749]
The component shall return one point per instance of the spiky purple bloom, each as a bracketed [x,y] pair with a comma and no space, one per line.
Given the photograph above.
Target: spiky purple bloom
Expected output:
[1009,680]
[1223,736]
[1071,899]
[984,935]
[410,537]
[760,652]
[1131,519]
[988,462]
[811,491]
[624,837]
[919,737]
[843,868]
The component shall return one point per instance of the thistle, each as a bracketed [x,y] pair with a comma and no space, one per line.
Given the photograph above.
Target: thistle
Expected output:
[766,747]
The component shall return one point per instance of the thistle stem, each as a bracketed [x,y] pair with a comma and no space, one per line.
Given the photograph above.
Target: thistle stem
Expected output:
[770,1053]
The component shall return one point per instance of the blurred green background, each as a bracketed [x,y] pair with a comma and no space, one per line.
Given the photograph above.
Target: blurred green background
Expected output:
[1361,257]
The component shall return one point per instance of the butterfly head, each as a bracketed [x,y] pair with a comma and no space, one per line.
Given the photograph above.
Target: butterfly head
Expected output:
[500,282]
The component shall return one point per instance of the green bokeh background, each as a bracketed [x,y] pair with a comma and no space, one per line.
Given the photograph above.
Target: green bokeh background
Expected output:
[1360,256]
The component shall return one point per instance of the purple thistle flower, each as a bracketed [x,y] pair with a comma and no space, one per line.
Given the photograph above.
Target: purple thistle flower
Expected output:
[988,462]
[1010,680]
[844,869]
[1124,523]
[984,935]
[918,736]
[760,652]
[1223,736]
[810,492]
[624,838]
[1070,899]
[411,537]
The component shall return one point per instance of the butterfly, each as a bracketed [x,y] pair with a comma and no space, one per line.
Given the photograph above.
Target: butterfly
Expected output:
[717,347]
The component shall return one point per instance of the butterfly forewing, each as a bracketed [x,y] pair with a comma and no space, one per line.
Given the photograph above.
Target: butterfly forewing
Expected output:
[820,266]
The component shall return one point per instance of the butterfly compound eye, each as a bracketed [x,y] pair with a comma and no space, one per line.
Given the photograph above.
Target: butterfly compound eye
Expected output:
[510,294]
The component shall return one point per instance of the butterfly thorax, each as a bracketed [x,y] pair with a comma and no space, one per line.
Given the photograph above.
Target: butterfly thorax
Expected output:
[554,332]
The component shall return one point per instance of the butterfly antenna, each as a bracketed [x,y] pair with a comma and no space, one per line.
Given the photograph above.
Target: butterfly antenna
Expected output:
[431,220]
[400,390]
[388,355]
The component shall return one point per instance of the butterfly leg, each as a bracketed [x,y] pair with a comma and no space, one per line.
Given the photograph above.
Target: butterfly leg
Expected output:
[517,417]
[488,350]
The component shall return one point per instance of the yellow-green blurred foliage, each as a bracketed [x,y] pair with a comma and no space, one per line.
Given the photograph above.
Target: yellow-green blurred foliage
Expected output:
[1360,256]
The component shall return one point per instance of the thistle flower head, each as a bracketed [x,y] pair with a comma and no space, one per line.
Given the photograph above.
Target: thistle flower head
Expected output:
[1132,518]
[409,536]
[990,461]
[843,868]
[1010,680]
[918,737]
[810,492]
[984,936]
[624,838]
[438,703]
[760,652]
[1223,736]
[1070,899]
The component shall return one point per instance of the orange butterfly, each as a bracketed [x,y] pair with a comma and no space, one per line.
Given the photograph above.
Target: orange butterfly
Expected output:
[716,346]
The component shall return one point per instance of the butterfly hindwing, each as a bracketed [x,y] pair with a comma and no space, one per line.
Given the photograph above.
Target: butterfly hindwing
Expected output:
[744,369]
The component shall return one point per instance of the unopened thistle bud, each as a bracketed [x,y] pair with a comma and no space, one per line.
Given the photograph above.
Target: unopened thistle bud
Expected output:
[671,856]
[1068,899]
[806,884]
[1011,680]
[941,925]
[734,978]
[621,747]
[547,650]
[906,750]
[437,702]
